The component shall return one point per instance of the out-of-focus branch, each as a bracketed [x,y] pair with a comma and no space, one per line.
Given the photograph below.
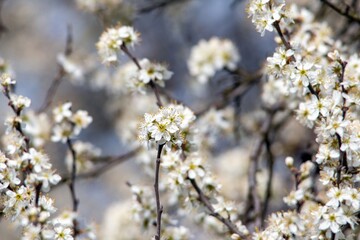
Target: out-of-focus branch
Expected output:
[249,80]
[271,160]
[108,162]
[205,200]
[50,95]
[158,5]
[346,12]
[268,192]
[240,76]
[3,28]
[253,199]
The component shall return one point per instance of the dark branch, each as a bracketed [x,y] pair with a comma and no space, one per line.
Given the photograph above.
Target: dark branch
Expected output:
[344,12]
[159,207]
[3,28]
[268,192]
[158,5]
[75,200]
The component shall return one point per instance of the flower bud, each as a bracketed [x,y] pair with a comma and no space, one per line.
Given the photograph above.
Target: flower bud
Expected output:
[289,161]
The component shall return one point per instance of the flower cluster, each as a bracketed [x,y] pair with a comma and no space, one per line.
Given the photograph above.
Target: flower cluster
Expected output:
[113,39]
[149,72]
[25,174]
[6,80]
[265,13]
[180,174]
[166,126]
[210,56]
[68,124]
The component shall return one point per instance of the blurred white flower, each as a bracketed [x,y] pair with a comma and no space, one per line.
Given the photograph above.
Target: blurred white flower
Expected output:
[210,56]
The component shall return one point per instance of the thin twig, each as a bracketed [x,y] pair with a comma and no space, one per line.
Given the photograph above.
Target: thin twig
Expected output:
[157,95]
[151,83]
[37,194]
[75,200]
[205,200]
[159,207]
[50,94]
[270,158]
[283,39]
[343,156]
